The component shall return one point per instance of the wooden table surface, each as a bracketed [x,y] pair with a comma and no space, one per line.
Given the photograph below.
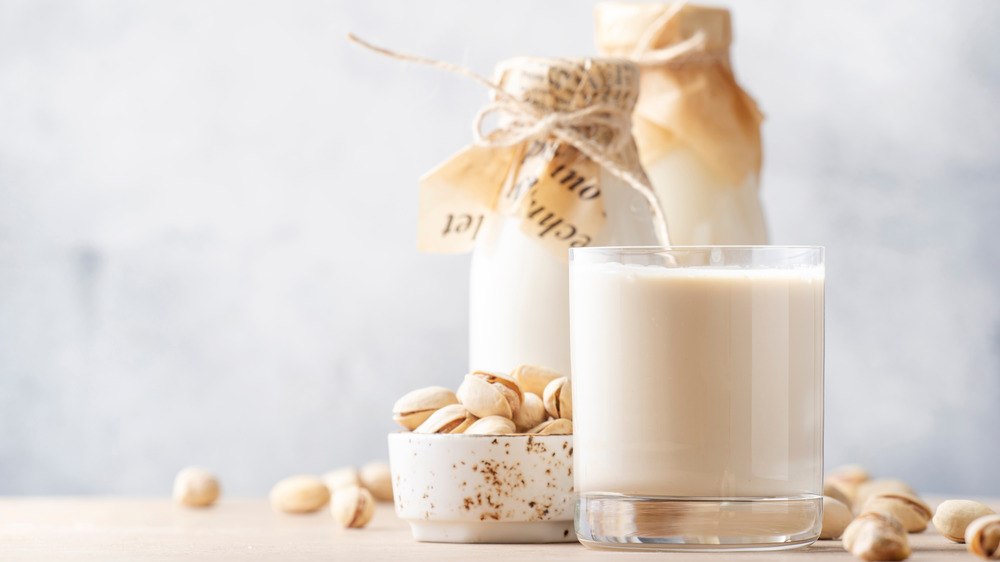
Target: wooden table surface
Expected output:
[107,529]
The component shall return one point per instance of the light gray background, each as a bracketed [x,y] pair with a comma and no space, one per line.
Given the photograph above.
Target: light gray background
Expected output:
[207,217]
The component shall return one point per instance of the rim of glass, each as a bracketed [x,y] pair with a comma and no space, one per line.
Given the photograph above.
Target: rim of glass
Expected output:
[655,249]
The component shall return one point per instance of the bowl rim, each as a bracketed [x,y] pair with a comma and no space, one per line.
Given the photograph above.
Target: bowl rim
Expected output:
[447,436]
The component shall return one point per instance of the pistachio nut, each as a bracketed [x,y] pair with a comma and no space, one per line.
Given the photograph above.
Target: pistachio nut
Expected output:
[882,486]
[847,478]
[491,425]
[353,507]
[490,394]
[558,398]
[560,426]
[195,487]
[300,494]
[415,407]
[834,491]
[534,378]
[453,418]
[341,478]
[377,479]
[876,536]
[982,537]
[910,510]
[836,518]
[952,517]
[531,413]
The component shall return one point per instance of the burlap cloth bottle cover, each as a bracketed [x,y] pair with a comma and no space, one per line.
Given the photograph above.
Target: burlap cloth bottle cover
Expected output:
[560,121]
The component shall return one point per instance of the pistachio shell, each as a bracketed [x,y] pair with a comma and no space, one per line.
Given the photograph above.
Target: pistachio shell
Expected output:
[341,478]
[911,512]
[836,518]
[444,420]
[876,536]
[559,426]
[353,507]
[416,406]
[879,487]
[377,479]
[834,491]
[299,494]
[491,425]
[558,398]
[982,537]
[952,517]
[534,378]
[531,413]
[196,487]
[490,394]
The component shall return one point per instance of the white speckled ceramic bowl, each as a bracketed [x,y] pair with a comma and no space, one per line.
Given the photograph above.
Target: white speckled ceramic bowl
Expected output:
[484,488]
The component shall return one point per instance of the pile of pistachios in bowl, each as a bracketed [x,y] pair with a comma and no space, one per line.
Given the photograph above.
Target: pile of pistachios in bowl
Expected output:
[530,399]
[874,517]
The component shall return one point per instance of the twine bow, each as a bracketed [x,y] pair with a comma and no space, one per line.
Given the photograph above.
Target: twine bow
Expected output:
[521,121]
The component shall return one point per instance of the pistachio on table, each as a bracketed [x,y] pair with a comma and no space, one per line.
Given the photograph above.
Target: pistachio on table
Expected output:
[341,478]
[558,398]
[952,517]
[491,425]
[377,479]
[534,378]
[982,537]
[453,418]
[560,426]
[880,487]
[490,394]
[846,480]
[196,487]
[415,407]
[531,413]
[876,536]
[909,509]
[300,494]
[836,518]
[353,507]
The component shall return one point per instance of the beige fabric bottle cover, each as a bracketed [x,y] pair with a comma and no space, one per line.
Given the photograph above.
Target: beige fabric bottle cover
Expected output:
[560,121]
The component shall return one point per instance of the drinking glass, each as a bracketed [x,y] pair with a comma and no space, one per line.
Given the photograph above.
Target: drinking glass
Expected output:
[697,396]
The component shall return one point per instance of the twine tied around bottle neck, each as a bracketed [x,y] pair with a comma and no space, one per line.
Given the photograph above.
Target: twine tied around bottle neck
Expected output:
[693,50]
[521,121]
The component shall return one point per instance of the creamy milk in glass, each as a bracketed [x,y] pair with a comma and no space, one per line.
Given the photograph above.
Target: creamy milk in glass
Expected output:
[699,380]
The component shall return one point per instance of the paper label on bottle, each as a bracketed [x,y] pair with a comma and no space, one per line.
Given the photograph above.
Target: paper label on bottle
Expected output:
[458,197]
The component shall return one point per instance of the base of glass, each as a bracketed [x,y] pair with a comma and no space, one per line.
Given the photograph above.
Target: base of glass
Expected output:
[618,522]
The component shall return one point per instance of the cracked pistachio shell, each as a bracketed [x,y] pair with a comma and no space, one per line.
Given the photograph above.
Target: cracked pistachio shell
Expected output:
[558,398]
[491,425]
[533,378]
[300,494]
[982,537]
[910,510]
[341,478]
[490,394]
[880,487]
[353,507]
[952,517]
[876,536]
[446,420]
[377,479]
[531,413]
[415,407]
[836,518]
[559,426]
